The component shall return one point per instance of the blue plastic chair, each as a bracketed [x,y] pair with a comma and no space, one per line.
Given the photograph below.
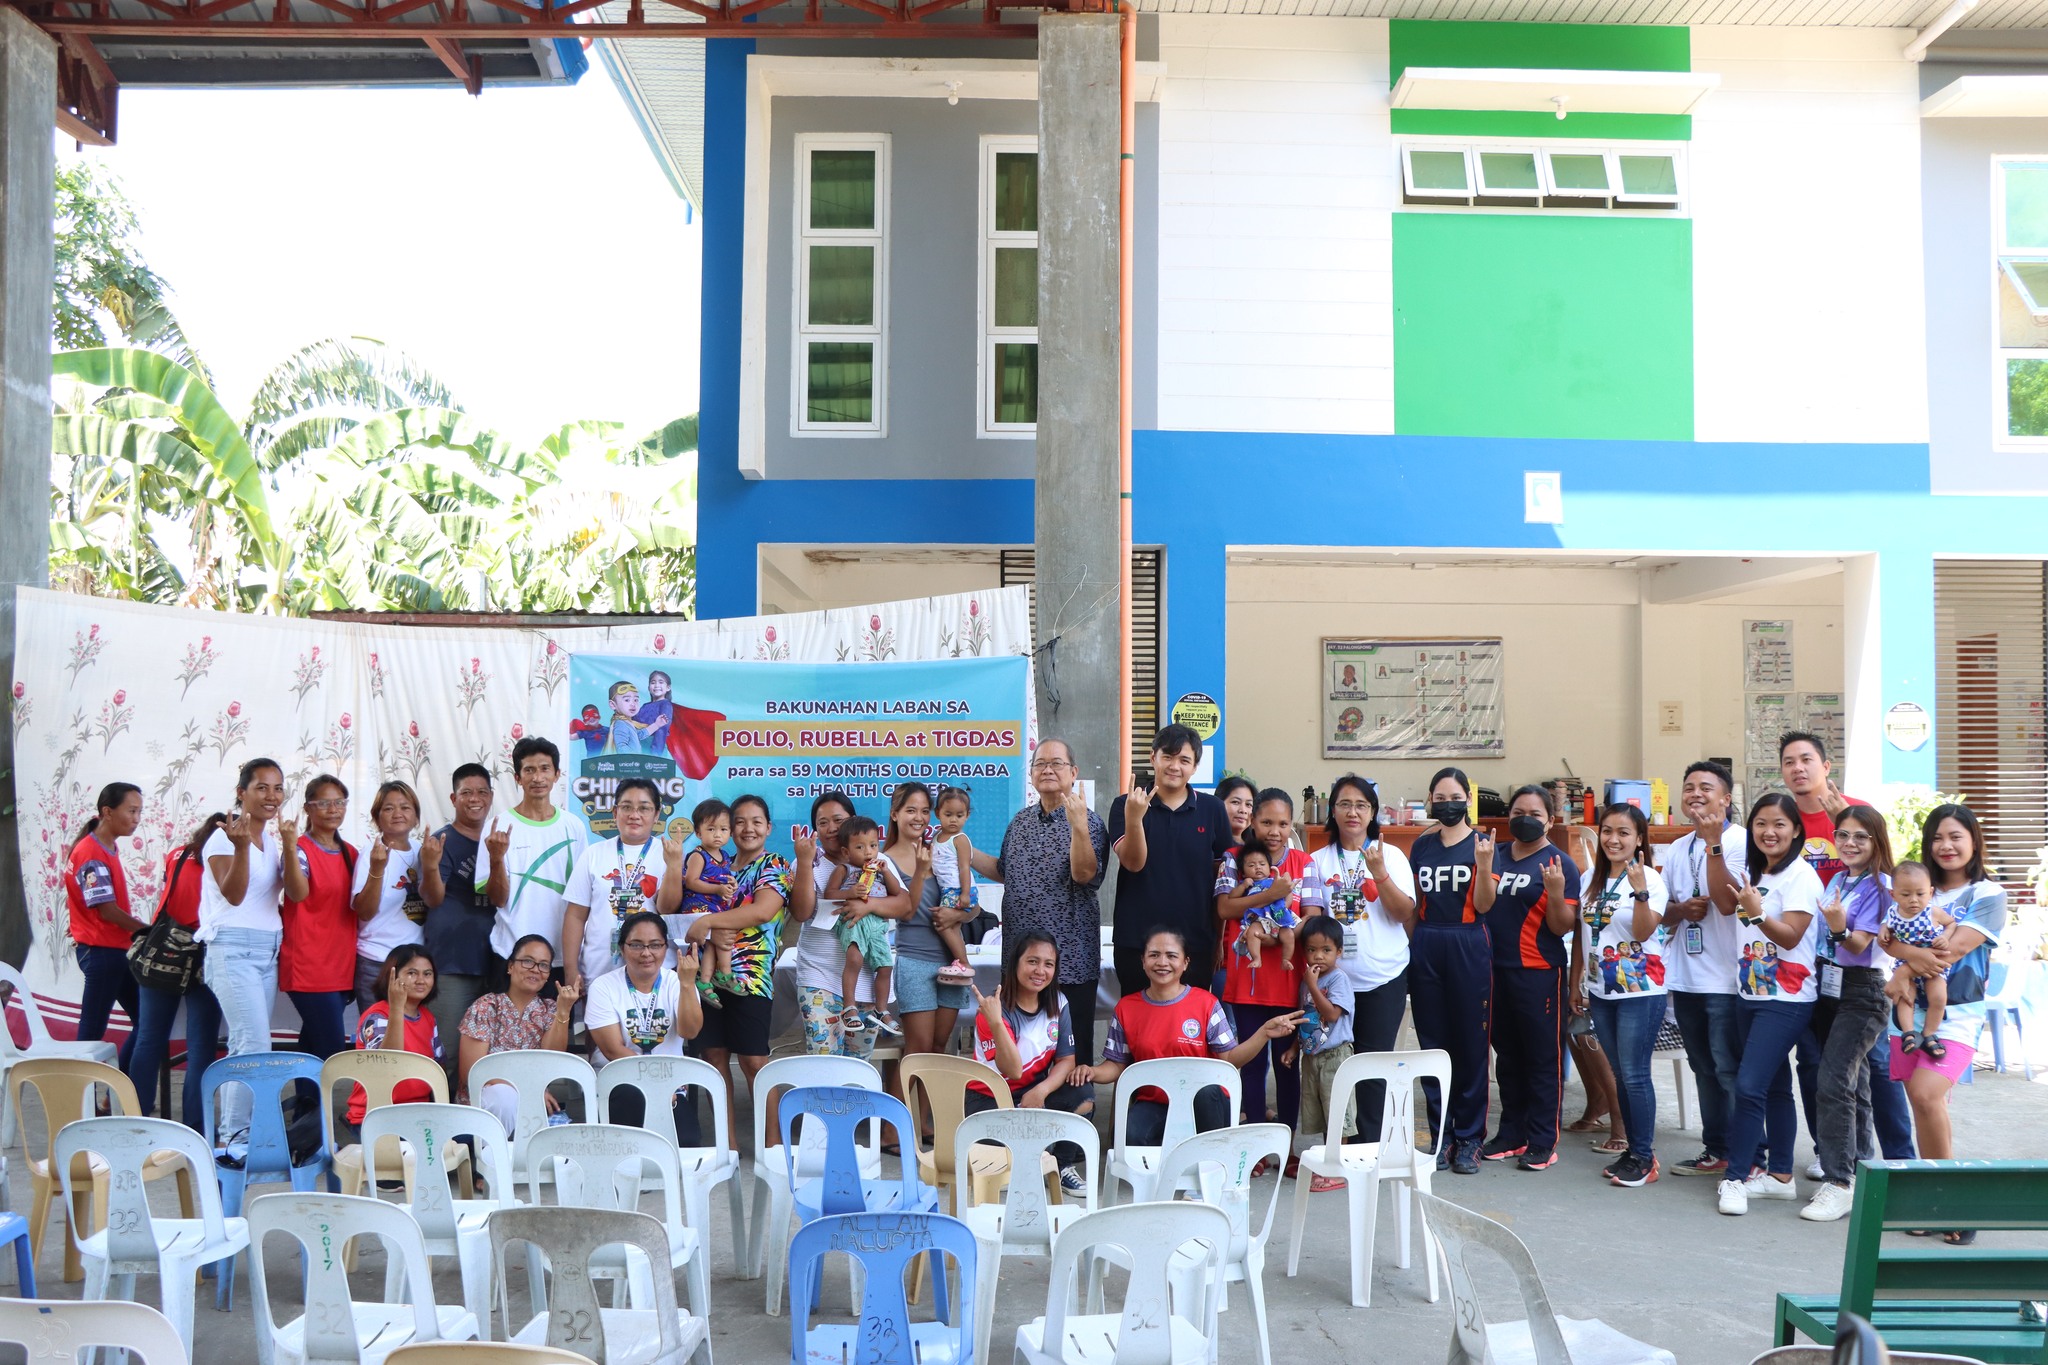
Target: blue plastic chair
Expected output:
[841,1110]
[2005,997]
[14,1228]
[883,1244]
[269,1075]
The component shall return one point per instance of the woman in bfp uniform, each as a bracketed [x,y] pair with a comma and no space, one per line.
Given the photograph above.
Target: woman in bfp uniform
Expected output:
[1450,964]
[1535,904]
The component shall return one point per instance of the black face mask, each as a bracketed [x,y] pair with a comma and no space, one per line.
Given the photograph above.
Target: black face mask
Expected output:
[1527,829]
[1447,812]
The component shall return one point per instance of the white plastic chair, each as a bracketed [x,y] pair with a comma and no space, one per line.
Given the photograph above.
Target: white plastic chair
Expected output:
[135,1241]
[40,1044]
[1364,1166]
[1025,1222]
[448,1227]
[532,1073]
[600,1166]
[1154,1327]
[336,1325]
[657,1079]
[659,1334]
[1542,1338]
[1181,1079]
[483,1353]
[53,1333]
[1220,1164]
[2009,1003]
[773,1207]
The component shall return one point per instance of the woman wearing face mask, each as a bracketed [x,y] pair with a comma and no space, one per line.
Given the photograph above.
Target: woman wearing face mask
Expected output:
[1775,991]
[1535,903]
[1450,971]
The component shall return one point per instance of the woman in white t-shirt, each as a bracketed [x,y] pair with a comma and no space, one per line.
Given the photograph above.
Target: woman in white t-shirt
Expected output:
[1619,978]
[1775,990]
[1368,886]
[241,923]
[645,1009]
[634,870]
[388,907]
[820,956]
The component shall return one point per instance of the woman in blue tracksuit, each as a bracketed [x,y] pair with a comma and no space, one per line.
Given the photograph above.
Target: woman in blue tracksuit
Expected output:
[1450,965]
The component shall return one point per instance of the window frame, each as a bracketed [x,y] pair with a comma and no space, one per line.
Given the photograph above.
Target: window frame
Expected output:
[2003,255]
[1487,196]
[1549,198]
[988,334]
[1436,198]
[802,332]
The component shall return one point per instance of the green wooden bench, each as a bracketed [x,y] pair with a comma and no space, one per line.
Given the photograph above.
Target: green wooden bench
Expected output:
[1975,1301]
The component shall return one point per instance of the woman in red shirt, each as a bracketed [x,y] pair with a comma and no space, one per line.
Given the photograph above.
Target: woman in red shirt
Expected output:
[316,964]
[96,889]
[184,869]
[404,987]
[1256,994]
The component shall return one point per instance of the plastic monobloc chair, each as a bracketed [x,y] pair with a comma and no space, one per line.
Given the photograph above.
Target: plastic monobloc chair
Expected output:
[483,1353]
[2005,1000]
[270,1077]
[1026,1221]
[41,1044]
[1154,1325]
[885,1244]
[1219,1165]
[1180,1079]
[657,1079]
[601,1166]
[1542,1338]
[131,1240]
[336,1325]
[448,1227]
[53,1333]
[379,1071]
[1392,1159]
[533,1073]
[771,1211]
[572,1319]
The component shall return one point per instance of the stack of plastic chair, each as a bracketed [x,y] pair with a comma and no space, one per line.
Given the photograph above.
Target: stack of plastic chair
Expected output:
[1026,1222]
[768,1226]
[532,1073]
[270,1076]
[1220,1164]
[602,1166]
[448,1227]
[1180,1079]
[1542,1338]
[657,1079]
[379,1071]
[132,1241]
[841,1110]
[40,1044]
[336,1325]
[1154,1326]
[54,1333]
[572,1320]
[483,1353]
[1366,1165]
[884,1244]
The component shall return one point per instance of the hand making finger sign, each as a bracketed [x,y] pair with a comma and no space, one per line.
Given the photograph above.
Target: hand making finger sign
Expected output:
[496,843]
[1638,876]
[430,850]
[287,832]
[1376,861]
[991,1006]
[1750,902]
[240,829]
[1832,800]
[672,853]
[1482,852]
[1553,880]
[1138,801]
[1076,807]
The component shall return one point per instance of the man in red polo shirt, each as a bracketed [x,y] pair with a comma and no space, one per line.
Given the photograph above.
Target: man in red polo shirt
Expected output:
[1804,766]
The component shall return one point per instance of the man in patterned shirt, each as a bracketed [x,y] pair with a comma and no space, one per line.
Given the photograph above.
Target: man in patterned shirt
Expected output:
[1051,865]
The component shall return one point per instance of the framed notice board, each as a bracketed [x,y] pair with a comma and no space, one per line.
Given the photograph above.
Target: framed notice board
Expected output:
[1412,698]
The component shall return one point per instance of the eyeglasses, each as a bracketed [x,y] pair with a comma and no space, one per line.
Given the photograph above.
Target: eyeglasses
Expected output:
[337,804]
[1050,765]
[533,964]
[640,947]
[1352,807]
[1851,836]
[637,807]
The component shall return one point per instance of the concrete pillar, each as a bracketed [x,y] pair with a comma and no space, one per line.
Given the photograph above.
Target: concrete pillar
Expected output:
[1076,513]
[28,172]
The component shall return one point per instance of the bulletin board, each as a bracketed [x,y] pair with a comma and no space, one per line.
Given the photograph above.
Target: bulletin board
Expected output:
[1412,698]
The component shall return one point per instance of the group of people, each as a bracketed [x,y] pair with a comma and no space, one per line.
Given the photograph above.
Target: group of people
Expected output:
[1787,946]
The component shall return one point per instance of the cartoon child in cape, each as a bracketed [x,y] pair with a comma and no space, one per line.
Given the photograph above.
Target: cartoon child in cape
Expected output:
[592,731]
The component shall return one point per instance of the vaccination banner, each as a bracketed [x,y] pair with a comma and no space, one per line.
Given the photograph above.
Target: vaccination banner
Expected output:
[788,731]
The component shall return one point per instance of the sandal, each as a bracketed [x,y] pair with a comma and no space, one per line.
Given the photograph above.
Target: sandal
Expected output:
[1587,1124]
[1909,1043]
[1961,1238]
[1293,1170]
[1323,1184]
[851,1022]
[1261,1168]
[1936,1049]
[1612,1146]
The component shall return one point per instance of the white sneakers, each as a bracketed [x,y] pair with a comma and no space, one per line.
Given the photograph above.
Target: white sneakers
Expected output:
[1736,1194]
[1829,1203]
[1816,1171]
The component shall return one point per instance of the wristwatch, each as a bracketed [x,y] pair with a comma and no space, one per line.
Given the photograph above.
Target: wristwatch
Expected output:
[1714,850]
[1640,896]
[1838,935]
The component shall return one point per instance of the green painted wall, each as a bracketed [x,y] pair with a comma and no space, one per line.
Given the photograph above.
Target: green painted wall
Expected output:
[1521,325]
[1596,47]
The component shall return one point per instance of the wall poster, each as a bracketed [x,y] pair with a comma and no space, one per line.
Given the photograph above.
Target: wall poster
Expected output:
[1413,698]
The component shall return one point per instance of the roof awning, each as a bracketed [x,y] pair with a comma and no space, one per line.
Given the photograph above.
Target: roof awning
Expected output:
[1989,97]
[1547,91]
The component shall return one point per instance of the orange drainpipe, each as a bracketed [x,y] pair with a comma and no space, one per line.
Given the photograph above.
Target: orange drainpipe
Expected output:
[1126,206]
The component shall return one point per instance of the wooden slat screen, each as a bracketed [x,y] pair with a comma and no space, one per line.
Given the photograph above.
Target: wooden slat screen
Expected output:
[1148,633]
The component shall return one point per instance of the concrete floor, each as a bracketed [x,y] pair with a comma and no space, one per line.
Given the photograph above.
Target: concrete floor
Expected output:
[1658,1263]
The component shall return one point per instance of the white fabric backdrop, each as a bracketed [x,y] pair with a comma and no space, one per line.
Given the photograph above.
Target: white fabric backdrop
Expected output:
[176,700]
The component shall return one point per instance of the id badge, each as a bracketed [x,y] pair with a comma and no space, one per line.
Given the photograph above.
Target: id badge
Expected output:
[1695,939]
[1830,980]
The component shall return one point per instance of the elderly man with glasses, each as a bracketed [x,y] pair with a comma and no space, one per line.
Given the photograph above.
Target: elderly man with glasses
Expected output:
[1051,864]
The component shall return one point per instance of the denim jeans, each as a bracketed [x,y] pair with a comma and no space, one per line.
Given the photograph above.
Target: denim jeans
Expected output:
[1713,1049]
[1763,1085]
[1628,1035]
[1843,1086]
[320,1030]
[453,995]
[108,983]
[1249,1019]
[1145,1124]
[241,967]
[153,1045]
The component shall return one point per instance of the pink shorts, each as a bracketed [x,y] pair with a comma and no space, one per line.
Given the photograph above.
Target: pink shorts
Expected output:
[1958,1060]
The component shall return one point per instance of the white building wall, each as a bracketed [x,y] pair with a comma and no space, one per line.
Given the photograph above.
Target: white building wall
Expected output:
[1276,190]
[1808,305]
